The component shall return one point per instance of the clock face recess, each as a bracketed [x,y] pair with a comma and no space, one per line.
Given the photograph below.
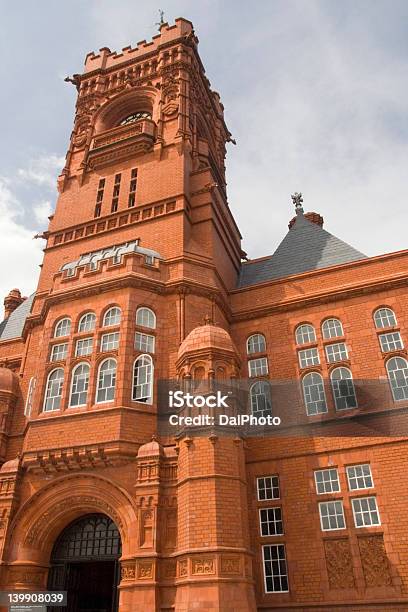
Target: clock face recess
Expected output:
[135,117]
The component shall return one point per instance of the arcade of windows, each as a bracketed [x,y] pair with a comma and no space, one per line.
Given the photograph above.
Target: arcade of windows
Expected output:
[336,352]
[330,513]
[105,385]
[116,191]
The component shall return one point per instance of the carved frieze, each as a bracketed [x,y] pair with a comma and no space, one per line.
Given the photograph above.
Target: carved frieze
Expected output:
[183,568]
[230,564]
[128,572]
[339,564]
[144,570]
[376,566]
[203,566]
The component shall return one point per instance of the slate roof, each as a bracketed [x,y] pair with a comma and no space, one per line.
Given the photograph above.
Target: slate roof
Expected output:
[13,326]
[115,251]
[306,247]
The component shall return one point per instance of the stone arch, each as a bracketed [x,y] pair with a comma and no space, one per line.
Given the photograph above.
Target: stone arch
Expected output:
[42,518]
[126,102]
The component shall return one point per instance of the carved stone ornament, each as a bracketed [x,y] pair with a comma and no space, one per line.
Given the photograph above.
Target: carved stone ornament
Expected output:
[203,566]
[376,566]
[230,565]
[183,567]
[128,572]
[339,564]
[144,570]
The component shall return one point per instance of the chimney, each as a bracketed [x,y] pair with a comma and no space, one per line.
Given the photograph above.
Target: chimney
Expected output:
[310,216]
[11,301]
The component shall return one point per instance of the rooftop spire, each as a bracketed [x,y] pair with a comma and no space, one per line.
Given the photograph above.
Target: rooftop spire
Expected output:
[161,22]
[297,199]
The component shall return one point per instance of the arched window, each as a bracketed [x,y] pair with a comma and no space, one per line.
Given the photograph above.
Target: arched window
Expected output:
[384,317]
[79,385]
[343,389]
[145,318]
[261,400]
[256,344]
[87,322]
[63,328]
[135,117]
[332,328]
[105,391]
[53,392]
[313,393]
[305,333]
[112,317]
[397,369]
[143,379]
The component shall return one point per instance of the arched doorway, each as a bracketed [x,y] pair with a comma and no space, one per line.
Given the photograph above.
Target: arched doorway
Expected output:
[84,562]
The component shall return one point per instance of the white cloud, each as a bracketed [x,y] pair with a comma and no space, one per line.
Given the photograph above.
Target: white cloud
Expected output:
[42,170]
[19,253]
[42,211]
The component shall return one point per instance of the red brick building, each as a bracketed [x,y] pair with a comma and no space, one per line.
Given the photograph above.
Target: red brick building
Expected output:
[143,280]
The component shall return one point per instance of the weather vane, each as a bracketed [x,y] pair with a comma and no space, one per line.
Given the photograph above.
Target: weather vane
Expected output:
[160,23]
[297,199]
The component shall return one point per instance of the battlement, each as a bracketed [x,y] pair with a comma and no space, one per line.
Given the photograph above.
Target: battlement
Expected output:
[106,58]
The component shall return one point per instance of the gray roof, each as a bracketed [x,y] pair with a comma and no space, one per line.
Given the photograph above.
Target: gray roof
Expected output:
[306,247]
[13,326]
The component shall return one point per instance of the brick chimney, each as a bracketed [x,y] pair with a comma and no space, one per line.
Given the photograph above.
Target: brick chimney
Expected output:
[11,301]
[310,216]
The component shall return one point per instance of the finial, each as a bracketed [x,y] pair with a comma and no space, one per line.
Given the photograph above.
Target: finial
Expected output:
[160,23]
[297,199]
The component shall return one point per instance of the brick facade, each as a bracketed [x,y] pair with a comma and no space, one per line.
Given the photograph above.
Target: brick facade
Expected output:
[187,509]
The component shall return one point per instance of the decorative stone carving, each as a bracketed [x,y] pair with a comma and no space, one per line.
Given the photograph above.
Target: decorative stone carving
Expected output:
[27,577]
[144,569]
[183,567]
[146,528]
[203,566]
[376,566]
[169,568]
[230,565]
[128,572]
[339,564]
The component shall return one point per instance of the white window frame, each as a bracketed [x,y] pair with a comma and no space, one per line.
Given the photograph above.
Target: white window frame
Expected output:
[74,382]
[336,388]
[82,342]
[260,398]
[100,379]
[308,357]
[379,318]
[271,486]
[109,342]
[54,397]
[112,317]
[64,352]
[361,476]
[313,406]
[328,482]
[256,344]
[62,328]
[277,519]
[336,352]
[370,511]
[145,317]
[330,328]
[258,367]
[305,330]
[393,379]
[146,344]
[278,559]
[87,322]
[327,504]
[145,394]
[390,341]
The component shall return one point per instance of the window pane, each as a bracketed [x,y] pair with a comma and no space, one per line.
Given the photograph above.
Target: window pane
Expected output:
[305,334]
[314,395]
[332,328]
[336,352]
[268,487]
[397,369]
[384,317]
[308,357]
[327,481]
[359,477]
[146,318]
[391,342]
[331,515]
[275,568]
[256,344]
[144,343]
[258,367]
[112,317]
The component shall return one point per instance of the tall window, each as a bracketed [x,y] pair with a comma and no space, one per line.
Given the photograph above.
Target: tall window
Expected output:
[256,344]
[397,369]
[105,391]
[53,391]
[79,385]
[116,191]
[99,197]
[63,328]
[112,317]
[313,393]
[145,318]
[343,389]
[261,401]
[143,379]
[384,317]
[332,328]
[275,568]
[87,322]
[132,188]
[305,333]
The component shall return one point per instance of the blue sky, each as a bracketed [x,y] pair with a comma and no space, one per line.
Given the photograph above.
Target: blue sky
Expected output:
[315,93]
